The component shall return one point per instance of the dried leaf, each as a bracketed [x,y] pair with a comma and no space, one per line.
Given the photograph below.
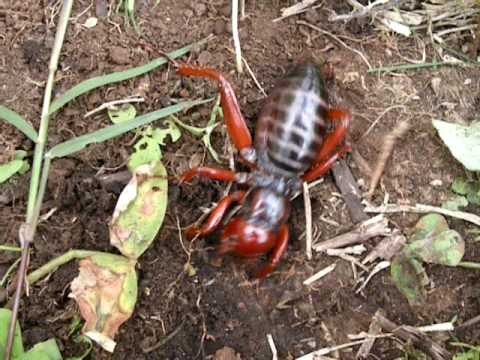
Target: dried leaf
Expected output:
[140,210]
[106,293]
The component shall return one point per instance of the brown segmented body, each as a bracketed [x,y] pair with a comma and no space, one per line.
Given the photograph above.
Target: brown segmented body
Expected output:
[292,124]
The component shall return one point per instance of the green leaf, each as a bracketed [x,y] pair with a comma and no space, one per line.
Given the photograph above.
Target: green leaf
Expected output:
[122,114]
[410,278]
[434,242]
[47,350]
[446,248]
[19,122]
[460,186]
[205,132]
[74,145]
[462,141]
[140,210]
[469,188]
[17,349]
[9,169]
[428,226]
[455,203]
[472,354]
[147,149]
[96,82]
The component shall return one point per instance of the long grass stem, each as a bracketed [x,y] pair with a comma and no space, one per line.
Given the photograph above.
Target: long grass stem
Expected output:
[26,237]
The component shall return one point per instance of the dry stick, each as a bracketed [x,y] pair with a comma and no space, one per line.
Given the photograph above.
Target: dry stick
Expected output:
[296,9]
[236,38]
[319,353]
[376,226]
[110,104]
[350,192]
[27,230]
[336,38]
[373,329]
[410,334]
[387,148]
[421,208]
[308,221]
[370,9]
[273,348]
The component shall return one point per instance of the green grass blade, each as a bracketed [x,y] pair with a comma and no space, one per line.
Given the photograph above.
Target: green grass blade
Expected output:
[19,122]
[96,82]
[79,143]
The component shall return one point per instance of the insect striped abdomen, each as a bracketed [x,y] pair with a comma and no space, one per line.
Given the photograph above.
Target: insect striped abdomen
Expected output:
[293,123]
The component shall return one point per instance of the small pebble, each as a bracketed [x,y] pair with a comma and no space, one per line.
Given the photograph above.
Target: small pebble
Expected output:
[436,182]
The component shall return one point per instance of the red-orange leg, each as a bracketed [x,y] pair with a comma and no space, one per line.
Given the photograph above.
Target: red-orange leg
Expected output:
[216,216]
[341,120]
[209,173]
[236,125]
[278,251]
[322,168]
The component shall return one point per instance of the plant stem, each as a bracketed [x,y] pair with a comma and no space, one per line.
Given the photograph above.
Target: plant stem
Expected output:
[10,248]
[27,233]
[9,271]
[236,38]
[402,67]
[469,265]
[54,264]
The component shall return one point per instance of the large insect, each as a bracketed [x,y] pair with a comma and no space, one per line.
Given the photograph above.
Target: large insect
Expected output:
[298,138]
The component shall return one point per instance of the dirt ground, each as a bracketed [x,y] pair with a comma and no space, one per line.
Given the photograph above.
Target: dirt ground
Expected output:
[218,306]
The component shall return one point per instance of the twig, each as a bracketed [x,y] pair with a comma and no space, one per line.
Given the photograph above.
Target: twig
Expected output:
[308,221]
[296,9]
[410,334]
[316,28]
[329,339]
[402,67]
[27,231]
[164,340]
[370,9]
[421,208]
[318,353]
[272,347]
[468,323]
[373,329]
[385,153]
[242,9]
[372,227]
[236,38]
[249,69]
[387,248]
[320,274]
[379,267]
[350,191]
[379,117]
[111,104]
[9,271]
